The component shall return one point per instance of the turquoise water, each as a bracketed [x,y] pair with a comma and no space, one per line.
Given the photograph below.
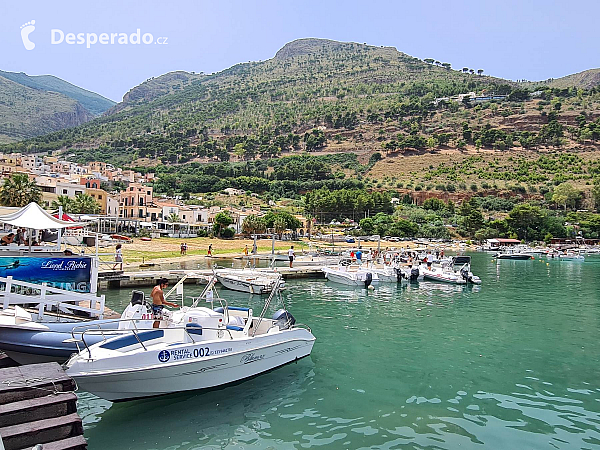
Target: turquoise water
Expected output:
[513,364]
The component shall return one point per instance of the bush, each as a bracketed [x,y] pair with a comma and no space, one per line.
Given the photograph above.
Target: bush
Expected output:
[227,233]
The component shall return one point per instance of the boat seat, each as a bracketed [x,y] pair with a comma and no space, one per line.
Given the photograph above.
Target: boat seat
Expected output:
[193,328]
[234,328]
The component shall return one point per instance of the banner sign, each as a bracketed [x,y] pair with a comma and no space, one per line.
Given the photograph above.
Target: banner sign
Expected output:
[70,273]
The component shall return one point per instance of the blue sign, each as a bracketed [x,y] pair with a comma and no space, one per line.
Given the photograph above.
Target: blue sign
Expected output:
[164,356]
[70,273]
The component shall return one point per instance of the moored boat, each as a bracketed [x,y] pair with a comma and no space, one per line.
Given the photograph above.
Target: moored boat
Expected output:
[204,353]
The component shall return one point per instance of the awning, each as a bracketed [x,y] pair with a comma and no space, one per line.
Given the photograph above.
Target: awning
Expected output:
[33,216]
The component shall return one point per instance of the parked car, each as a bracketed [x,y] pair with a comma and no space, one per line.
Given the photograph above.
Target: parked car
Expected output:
[350,240]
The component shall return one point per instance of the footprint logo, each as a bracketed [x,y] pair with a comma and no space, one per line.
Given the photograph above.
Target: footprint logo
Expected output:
[26,30]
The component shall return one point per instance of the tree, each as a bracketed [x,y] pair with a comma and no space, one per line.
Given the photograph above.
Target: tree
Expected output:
[429,60]
[279,225]
[566,195]
[472,218]
[526,221]
[253,225]
[172,218]
[67,203]
[86,204]
[479,72]
[465,69]
[222,221]
[596,194]
[367,226]
[19,190]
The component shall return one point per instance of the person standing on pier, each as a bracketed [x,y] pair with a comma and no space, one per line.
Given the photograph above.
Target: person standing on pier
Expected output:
[118,257]
[291,255]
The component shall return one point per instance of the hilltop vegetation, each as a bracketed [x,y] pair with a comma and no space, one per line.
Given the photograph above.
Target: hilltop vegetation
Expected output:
[325,97]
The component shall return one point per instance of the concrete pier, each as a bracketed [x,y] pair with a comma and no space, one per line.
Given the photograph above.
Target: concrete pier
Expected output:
[38,406]
[113,279]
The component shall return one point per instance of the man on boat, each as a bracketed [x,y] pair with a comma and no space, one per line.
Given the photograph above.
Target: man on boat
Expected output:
[159,302]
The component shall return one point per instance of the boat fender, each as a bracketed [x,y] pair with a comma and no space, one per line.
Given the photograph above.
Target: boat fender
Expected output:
[368,279]
[284,319]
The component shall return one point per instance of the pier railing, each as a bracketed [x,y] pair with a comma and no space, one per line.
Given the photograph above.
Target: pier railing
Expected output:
[47,298]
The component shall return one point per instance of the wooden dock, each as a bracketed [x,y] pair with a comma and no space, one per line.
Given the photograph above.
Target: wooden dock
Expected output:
[38,405]
[111,279]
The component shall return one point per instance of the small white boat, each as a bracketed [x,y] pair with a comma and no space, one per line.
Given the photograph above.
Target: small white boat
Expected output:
[342,275]
[447,274]
[250,281]
[205,353]
[571,256]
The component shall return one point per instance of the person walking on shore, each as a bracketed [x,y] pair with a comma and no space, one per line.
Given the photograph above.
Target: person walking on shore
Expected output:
[246,250]
[291,255]
[182,249]
[209,252]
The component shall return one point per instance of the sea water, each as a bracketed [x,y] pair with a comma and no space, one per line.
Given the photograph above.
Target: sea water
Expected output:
[511,364]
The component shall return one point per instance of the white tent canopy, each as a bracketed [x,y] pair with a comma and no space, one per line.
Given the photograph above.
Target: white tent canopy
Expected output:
[33,216]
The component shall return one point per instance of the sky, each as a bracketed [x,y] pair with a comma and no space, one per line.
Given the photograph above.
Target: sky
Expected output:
[532,39]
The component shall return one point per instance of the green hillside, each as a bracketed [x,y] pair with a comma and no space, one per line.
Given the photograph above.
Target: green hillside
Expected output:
[324,96]
[27,112]
[94,103]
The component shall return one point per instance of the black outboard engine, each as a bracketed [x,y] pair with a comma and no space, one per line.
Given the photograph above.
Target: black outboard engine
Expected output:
[414,274]
[465,274]
[137,297]
[283,319]
[368,279]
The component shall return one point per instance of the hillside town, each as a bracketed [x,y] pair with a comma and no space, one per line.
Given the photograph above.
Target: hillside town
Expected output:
[126,199]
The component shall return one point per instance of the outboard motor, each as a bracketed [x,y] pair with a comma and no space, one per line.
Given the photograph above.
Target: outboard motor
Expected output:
[464,272]
[414,274]
[283,319]
[368,279]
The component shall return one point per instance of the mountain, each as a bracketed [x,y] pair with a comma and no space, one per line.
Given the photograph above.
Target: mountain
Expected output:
[34,105]
[94,103]
[153,88]
[27,112]
[585,80]
[326,96]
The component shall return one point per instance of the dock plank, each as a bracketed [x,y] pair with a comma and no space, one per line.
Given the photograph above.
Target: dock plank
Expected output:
[34,380]
[26,435]
[38,408]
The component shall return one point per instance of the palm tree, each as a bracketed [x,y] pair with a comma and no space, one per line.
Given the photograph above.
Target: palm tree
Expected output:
[67,203]
[19,190]
[86,204]
[172,218]
[253,225]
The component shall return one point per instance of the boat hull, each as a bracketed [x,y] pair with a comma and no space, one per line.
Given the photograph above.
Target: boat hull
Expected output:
[243,286]
[347,280]
[443,278]
[144,375]
[515,257]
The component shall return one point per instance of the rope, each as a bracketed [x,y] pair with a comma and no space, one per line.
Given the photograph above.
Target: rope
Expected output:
[27,382]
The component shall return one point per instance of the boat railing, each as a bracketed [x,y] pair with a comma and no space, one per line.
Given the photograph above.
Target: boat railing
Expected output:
[88,328]
[17,292]
[302,325]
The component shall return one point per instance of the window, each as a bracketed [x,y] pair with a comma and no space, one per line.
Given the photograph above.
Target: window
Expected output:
[99,197]
[78,192]
[64,191]
[183,217]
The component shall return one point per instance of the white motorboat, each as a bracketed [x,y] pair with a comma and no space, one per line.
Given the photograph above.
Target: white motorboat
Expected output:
[447,274]
[250,281]
[571,256]
[214,348]
[345,275]
[514,255]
